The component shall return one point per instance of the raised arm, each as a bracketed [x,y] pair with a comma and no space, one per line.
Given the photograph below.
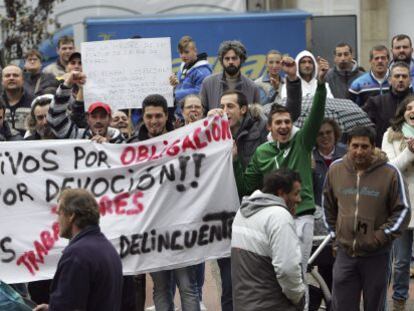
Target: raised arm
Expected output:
[293,87]
[313,122]
[61,125]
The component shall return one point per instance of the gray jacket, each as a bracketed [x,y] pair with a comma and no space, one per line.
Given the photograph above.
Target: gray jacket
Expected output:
[213,86]
[265,256]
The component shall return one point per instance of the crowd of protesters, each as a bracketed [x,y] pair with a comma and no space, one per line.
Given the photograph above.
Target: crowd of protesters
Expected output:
[293,183]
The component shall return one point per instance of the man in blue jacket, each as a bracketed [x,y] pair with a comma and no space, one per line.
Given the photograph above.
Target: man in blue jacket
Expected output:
[192,72]
[89,273]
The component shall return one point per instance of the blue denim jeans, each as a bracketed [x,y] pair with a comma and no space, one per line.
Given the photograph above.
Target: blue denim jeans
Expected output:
[226,287]
[402,257]
[200,271]
[186,281]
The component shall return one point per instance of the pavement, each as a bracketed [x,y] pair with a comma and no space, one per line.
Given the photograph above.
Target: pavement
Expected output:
[211,291]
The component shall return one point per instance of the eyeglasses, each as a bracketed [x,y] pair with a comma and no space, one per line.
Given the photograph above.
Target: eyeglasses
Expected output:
[34,59]
[195,107]
[323,133]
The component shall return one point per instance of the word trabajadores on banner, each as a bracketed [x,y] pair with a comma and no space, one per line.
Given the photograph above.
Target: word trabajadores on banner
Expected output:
[166,202]
[121,73]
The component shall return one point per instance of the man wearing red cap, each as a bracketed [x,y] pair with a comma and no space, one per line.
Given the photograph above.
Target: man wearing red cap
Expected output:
[98,116]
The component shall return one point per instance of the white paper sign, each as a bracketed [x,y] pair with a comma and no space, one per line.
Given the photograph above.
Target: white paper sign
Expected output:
[166,202]
[122,73]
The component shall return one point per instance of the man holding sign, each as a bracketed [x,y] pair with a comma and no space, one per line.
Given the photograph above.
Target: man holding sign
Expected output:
[89,273]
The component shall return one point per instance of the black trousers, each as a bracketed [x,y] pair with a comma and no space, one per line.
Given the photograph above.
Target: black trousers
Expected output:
[353,275]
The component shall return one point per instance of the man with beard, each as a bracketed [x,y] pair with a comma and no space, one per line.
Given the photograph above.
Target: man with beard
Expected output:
[193,70]
[37,125]
[98,116]
[232,55]
[382,108]
[402,50]
[374,82]
[65,48]
[16,98]
[344,72]
[121,121]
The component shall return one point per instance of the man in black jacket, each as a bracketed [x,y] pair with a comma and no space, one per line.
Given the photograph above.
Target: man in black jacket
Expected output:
[344,72]
[381,108]
[16,98]
[89,273]
[6,133]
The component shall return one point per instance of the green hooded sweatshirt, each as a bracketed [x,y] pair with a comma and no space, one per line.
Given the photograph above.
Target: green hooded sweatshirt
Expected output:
[295,155]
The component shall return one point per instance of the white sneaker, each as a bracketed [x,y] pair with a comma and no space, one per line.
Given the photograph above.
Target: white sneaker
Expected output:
[202,306]
[152,308]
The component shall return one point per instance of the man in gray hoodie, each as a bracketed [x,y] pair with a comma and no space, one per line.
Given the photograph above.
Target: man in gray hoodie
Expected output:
[265,253]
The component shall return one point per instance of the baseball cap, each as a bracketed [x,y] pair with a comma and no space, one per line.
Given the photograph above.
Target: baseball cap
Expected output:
[75,55]
[97,105]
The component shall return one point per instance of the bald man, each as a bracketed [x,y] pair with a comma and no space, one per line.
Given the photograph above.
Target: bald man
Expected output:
[16,99]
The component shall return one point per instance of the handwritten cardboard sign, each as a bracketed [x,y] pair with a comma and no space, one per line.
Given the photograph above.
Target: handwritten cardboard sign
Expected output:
[122,73]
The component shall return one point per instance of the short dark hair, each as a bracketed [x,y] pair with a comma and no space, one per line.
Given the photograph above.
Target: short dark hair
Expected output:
[82,204]
[342,45]
[378,48]
[362,131]
[335,126]
[185,42]
[65,40]
[234,45]
[400,37]
[280,180]
[155,100]
[241,98]
[276,52]
[399,119]
[400,64]
[276,108]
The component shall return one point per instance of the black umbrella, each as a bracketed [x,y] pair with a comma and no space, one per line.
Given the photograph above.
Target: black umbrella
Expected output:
[344,111]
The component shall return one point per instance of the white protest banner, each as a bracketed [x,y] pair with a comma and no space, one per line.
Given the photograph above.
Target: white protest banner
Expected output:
[122,73]
[164,203]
